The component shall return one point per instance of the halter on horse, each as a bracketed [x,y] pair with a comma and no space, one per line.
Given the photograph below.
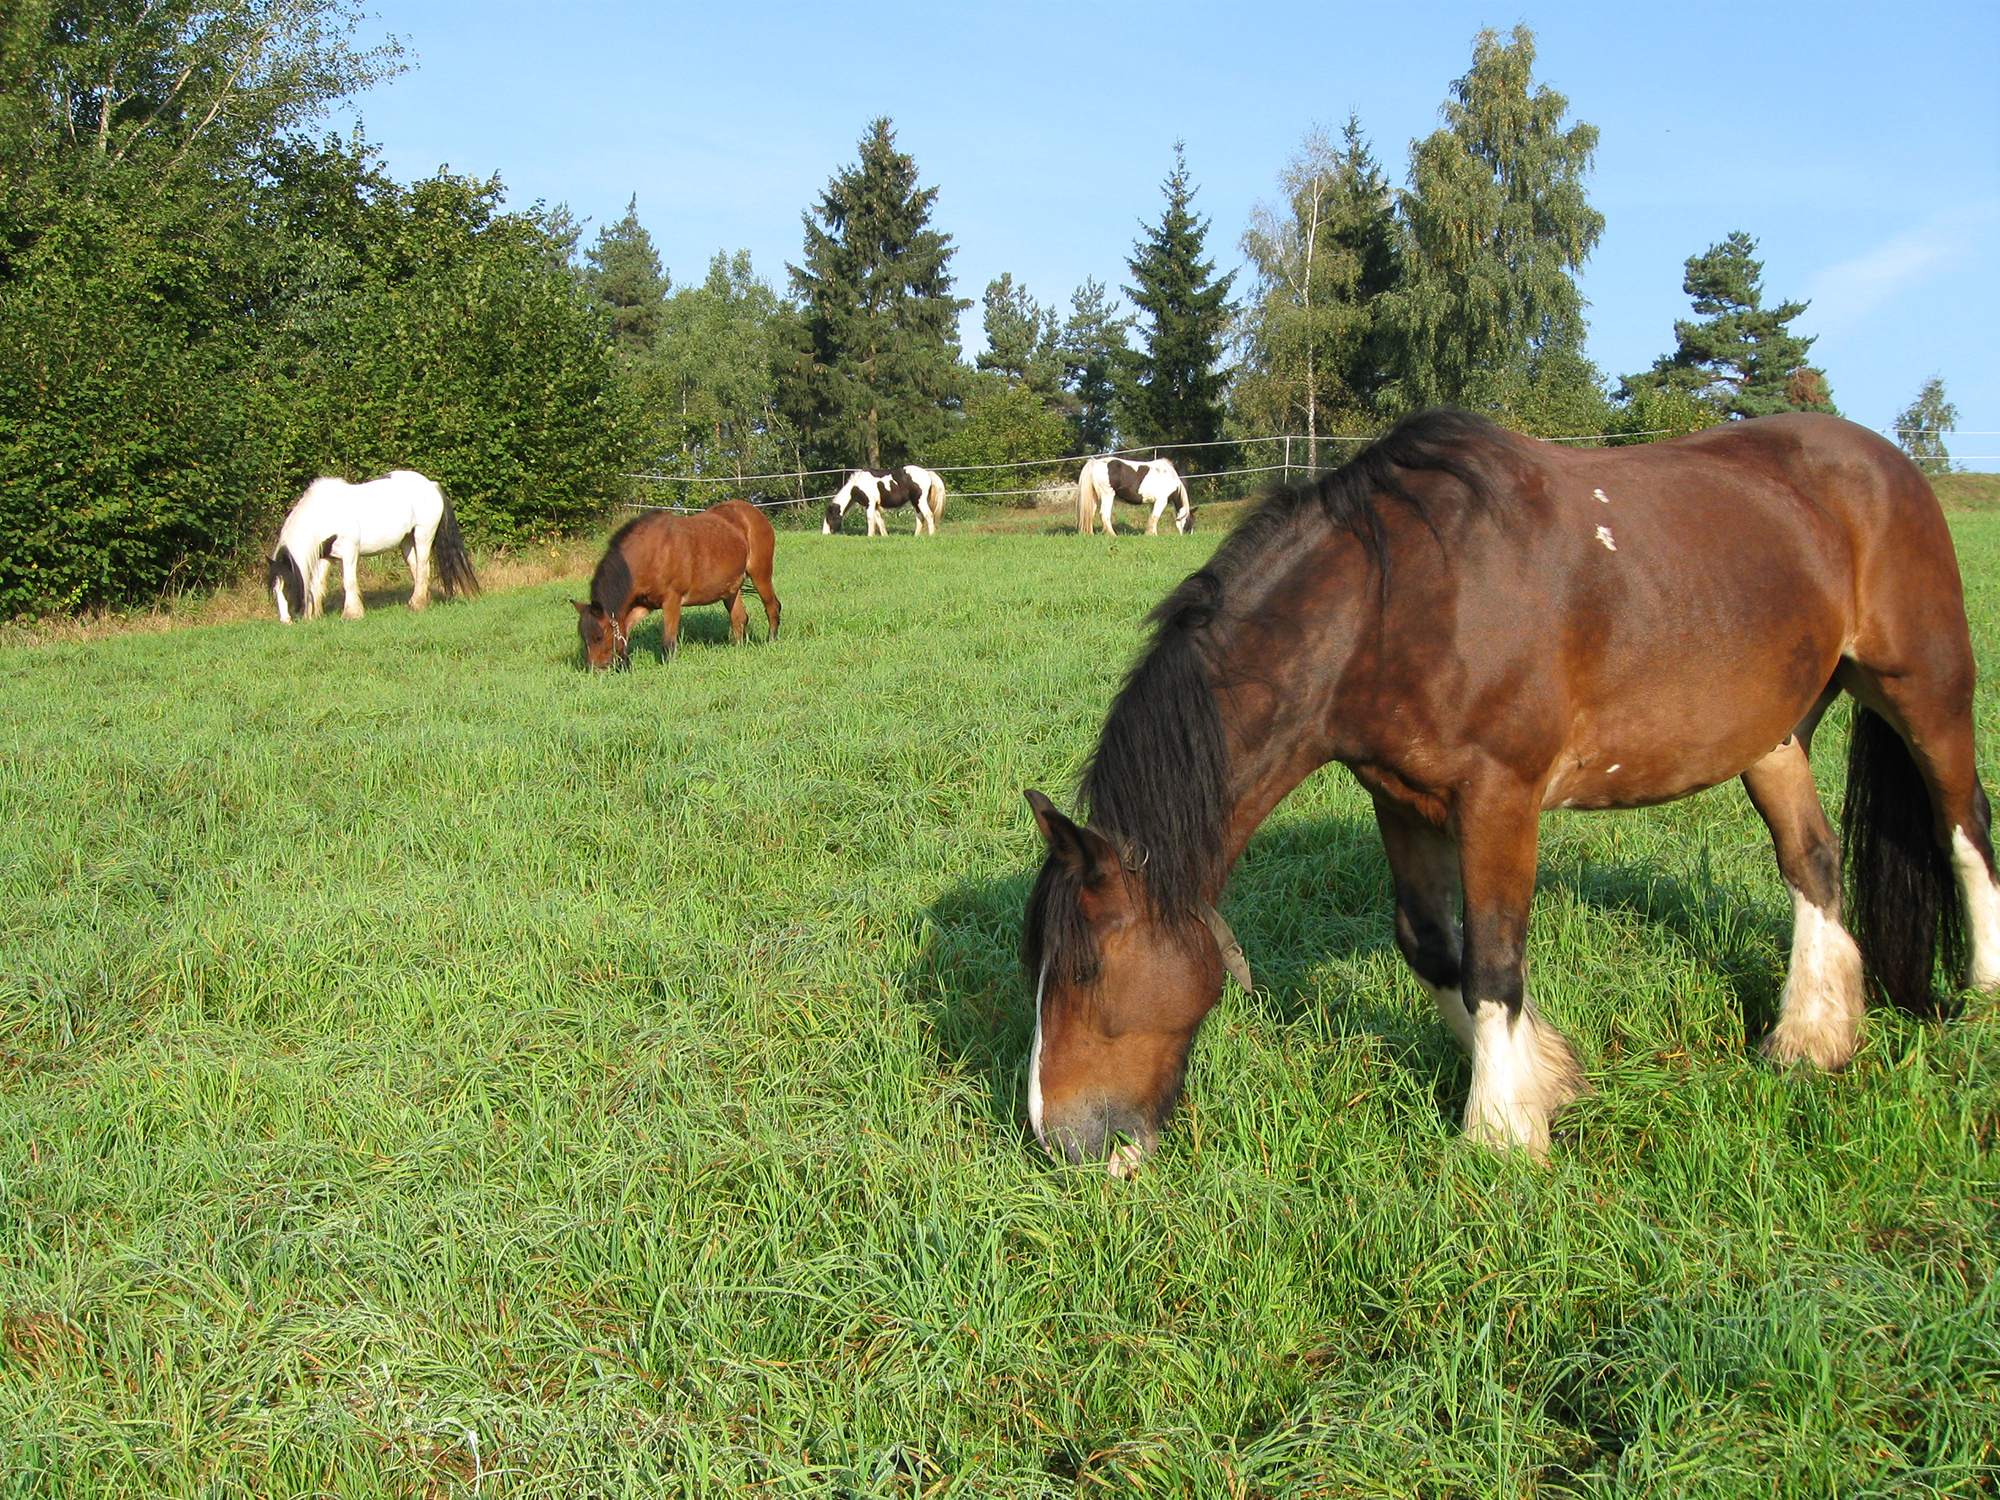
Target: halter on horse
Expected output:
[1155,482]
[663,561]
[1480,627]
[335,519]
[889,489]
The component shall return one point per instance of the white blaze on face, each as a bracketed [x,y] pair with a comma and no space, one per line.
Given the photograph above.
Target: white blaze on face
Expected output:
[1035,1058]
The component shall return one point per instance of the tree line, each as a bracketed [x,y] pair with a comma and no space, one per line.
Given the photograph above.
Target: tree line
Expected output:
[204,304]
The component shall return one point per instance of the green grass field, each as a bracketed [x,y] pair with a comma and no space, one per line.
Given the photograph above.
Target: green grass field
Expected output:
[426,1069]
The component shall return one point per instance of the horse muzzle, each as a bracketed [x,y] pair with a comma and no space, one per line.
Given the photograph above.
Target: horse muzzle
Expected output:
[1101,1130]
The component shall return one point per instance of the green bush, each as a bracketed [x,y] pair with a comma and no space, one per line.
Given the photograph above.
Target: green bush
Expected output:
[128,467]
[491,375]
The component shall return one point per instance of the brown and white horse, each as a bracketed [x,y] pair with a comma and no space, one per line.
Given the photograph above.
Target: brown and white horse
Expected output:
[1155,482]
[1480,627]
[663,561]
[888,489]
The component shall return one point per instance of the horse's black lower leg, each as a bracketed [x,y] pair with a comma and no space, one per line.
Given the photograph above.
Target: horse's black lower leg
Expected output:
[1522,1069]
[1424,864]
[1819,1016]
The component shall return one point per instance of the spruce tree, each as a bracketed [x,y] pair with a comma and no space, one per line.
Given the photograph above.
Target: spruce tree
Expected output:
[1094,349]
[1496,225]
[1741,358]
[1022,343]
[1323,258]
[1172,390]
[1921,427]
[624,274]
[877,370]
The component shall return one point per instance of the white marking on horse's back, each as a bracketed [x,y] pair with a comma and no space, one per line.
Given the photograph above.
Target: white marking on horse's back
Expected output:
[1604,536]
[1610,768]
[1982,911]
[1602,496]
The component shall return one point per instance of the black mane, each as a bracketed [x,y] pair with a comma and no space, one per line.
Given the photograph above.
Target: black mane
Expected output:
[1158,782]
[611,584]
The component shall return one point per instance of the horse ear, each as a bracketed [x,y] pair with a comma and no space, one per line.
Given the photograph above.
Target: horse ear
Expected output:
[1085,850]
[581,607]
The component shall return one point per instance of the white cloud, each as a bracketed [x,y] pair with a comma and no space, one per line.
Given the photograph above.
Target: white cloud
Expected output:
[1844,295]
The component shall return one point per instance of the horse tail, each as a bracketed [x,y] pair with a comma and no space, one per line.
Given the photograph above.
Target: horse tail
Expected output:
[1086,499]
[1902,897]
[936,497]
[448,557]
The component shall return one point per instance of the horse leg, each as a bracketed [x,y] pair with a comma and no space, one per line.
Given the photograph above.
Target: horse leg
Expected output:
[1522,1069]
[760,574]
[417,553]
[1153,521]
[670,630]
[739,617]
[1819,1015]
[1424,864]
[350,584]
[316,587]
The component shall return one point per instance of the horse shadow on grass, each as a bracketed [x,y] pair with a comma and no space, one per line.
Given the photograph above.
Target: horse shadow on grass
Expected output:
[1306,901]
[700,626]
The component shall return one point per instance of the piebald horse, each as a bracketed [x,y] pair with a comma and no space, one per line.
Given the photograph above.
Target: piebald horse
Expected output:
[888,489]
[337,520]
[1480,627]
[663,561]
[1155,482]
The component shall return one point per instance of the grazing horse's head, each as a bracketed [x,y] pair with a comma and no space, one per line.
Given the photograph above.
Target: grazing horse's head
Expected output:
[836,508]
[1120,987]
[605,644]
[287,585]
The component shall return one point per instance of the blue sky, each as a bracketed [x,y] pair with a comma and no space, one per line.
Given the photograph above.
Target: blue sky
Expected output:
[1860,144]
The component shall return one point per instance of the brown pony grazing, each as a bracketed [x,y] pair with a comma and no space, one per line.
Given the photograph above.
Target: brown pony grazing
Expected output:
[1481,626]
[663,561]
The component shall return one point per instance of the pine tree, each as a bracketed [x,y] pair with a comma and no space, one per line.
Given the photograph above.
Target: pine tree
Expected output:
[1921,427]
[877,372]
[1323,258]
[1496,225]
[624,273]
[1742,358]
[1021,340]
[1171,392]
[1094,348]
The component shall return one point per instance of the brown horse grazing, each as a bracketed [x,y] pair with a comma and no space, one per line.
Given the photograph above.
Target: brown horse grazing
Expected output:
[663,561]
[1481,626]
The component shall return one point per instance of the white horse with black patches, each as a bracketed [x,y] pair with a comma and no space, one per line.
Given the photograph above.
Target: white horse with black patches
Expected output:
[1155,482]
[335,520]
[888,489]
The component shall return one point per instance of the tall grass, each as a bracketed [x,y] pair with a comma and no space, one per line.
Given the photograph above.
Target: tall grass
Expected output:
[427,1069]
